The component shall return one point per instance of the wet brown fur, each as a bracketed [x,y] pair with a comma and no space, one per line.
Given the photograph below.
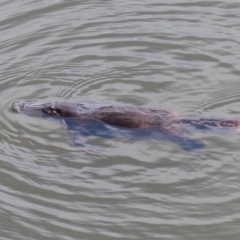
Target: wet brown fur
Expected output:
[126,117]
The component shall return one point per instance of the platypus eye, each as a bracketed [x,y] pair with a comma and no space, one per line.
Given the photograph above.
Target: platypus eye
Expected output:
[52,112]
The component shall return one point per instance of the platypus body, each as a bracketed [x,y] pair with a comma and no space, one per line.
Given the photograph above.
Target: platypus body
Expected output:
[127,122]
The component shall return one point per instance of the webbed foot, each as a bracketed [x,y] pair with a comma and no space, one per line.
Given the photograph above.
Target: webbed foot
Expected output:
[191,144]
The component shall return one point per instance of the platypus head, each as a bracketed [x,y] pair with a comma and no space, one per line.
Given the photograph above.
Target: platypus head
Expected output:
[44,109]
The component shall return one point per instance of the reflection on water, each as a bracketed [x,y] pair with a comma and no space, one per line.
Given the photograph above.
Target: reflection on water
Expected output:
[176,55]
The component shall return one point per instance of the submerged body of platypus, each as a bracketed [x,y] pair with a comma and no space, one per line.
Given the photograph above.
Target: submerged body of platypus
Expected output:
[128,122]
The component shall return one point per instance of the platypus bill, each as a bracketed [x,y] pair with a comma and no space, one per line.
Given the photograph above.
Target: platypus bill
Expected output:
[125,122]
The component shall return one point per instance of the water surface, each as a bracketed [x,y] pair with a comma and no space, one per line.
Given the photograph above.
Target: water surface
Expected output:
[182,56]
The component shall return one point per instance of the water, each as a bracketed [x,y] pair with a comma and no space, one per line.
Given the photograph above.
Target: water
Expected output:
[182,56]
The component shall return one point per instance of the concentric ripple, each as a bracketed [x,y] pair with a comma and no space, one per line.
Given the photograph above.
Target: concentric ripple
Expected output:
[179,55]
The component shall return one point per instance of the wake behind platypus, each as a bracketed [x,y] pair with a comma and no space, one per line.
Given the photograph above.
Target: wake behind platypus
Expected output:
[127,122]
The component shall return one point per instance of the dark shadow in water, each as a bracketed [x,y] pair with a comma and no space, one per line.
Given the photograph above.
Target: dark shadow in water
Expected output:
[83,128]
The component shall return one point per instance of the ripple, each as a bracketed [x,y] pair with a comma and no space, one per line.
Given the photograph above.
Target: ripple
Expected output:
[158,55]
[221,97]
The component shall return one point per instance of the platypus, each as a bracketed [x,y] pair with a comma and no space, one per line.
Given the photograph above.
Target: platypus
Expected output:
[122,121]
